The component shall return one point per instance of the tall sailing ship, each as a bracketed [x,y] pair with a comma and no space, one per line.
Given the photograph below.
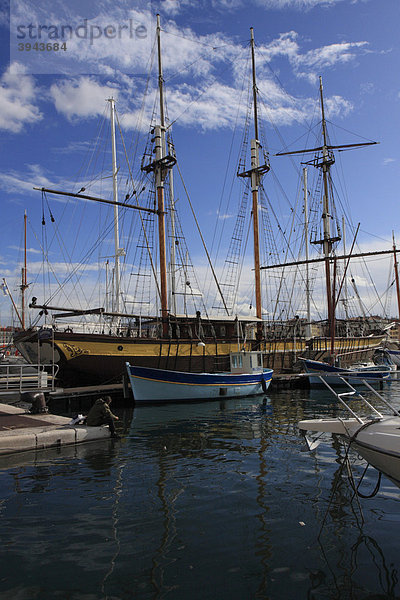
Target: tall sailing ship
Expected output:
[196,342]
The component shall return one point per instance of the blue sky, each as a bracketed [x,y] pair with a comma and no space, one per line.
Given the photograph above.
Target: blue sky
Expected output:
[52,102]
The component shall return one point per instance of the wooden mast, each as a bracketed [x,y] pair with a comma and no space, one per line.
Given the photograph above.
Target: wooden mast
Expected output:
[161,166]
[327,161]
[396,276]
[308,299]
[160,176]
[255,173]
[255,162]
[172,265]
[327,241]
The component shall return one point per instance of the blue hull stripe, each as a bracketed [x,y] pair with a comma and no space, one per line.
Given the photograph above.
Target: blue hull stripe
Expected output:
[203,379]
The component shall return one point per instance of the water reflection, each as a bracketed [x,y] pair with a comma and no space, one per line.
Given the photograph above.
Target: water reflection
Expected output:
[203,500]
[380,574]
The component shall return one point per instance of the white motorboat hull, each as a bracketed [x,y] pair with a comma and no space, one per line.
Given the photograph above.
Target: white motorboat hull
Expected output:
[377,441]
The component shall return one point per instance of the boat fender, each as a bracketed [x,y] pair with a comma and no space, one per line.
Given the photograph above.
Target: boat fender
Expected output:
[68,330]
[264,385]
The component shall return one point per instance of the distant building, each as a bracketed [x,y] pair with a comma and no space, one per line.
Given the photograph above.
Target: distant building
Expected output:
[6,337]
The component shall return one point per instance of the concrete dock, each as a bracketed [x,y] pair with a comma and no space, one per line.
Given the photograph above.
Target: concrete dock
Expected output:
[22,431]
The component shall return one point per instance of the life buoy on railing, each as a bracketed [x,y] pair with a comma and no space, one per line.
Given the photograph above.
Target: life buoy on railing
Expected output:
[68,330]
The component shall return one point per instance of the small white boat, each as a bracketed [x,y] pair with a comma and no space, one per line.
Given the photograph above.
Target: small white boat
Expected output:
[247,377]
[337,376]
[375,438]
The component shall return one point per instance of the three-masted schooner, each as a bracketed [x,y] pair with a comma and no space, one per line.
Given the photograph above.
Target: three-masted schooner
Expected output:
[197,343]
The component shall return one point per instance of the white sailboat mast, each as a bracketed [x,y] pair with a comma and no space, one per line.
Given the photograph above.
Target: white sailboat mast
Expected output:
[117,250]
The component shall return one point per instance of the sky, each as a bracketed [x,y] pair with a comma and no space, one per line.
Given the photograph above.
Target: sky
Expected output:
[60,64]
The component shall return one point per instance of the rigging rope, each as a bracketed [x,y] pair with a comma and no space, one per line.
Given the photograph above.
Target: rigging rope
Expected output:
[141,217]
[202,240]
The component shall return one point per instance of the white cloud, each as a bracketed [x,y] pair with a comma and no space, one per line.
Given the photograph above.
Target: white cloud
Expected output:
[173,7]
[62,268]
[17,99]
[192,65]
[109,35]
[4,14]
[73,148]
[296,4]
[368,88]
[28,250]
[84,97]
[212,104]
[21,183]
[326,57]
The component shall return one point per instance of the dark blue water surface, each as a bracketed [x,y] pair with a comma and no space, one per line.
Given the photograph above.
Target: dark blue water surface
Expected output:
[210,500]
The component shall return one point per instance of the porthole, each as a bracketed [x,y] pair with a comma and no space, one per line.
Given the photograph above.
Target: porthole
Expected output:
[120,348]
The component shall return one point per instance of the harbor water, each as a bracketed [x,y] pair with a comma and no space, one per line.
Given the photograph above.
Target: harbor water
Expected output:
[212,500]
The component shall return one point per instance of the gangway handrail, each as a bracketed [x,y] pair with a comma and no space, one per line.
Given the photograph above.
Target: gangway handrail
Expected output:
[354,392]
[382,399]
[27,376]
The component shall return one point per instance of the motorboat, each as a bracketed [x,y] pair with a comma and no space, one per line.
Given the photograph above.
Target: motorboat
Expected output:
[376,437]
[355,375]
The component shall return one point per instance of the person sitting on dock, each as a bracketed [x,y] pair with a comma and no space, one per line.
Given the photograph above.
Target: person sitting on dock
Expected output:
[100,414]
